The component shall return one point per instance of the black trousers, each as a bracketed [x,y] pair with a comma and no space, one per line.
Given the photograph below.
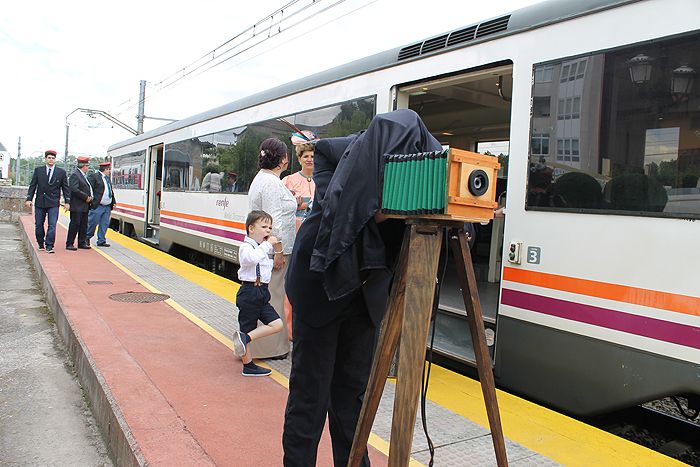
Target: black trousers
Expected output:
[78,225]
[330,369]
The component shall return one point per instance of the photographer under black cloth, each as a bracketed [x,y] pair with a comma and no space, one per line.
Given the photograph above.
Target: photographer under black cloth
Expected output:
[338,283]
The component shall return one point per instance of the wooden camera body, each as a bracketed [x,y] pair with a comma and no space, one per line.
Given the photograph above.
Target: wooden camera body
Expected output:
[452,184]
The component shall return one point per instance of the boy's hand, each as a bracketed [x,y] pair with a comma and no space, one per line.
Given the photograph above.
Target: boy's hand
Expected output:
[272,239]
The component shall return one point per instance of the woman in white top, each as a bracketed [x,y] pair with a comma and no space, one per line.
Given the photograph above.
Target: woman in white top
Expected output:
[267,193]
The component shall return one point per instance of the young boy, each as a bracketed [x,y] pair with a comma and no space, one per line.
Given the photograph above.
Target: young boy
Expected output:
[253,298]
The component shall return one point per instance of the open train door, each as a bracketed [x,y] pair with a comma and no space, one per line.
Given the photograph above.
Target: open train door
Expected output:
[468,110]
[153,194]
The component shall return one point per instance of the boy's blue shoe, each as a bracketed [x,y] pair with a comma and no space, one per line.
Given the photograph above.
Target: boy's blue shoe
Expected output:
[240,341]
[251,369]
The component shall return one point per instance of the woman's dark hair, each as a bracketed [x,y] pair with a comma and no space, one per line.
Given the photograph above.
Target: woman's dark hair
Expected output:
[272,151]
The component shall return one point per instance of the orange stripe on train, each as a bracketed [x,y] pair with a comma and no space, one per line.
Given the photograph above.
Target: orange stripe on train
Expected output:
[207,220]
[620,293]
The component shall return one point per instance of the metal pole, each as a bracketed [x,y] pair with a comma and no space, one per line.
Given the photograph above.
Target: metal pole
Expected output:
[65,152]
[142,99]
[19,154]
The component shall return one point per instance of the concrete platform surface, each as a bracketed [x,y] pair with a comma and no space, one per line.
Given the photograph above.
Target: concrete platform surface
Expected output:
[44,419]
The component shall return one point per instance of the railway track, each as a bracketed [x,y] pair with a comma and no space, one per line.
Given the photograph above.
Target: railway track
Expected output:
[654,427]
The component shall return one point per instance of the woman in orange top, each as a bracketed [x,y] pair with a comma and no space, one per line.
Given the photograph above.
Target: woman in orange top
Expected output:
[301,183]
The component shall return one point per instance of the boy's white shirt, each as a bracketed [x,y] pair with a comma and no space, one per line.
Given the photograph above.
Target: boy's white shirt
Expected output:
[250,253]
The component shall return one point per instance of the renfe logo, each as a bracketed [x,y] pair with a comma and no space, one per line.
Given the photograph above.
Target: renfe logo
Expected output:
[223,203]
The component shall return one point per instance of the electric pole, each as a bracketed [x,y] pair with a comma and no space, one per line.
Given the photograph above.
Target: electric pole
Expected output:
[142,99]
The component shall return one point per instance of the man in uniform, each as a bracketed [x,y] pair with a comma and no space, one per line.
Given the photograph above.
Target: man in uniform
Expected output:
[81,197]
[102,203]
[47,183]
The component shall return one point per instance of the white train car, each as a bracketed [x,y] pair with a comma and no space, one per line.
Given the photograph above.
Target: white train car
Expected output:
[593,109]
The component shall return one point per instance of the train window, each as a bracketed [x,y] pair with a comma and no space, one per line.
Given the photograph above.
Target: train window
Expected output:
[227,161]
[127,171]
[626,128]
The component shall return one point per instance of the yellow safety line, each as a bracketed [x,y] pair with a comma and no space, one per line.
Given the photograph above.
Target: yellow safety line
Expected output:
[218,285]
[215,284]
[551,434]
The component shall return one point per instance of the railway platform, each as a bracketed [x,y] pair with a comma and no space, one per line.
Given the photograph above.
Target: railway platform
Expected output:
[166,389]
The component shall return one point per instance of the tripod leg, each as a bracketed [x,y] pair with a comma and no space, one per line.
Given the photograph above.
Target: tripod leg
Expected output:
[425,245]
[388,339]
[467,281]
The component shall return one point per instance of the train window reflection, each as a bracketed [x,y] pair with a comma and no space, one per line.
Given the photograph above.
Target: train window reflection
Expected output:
[227,161]
[127,171]
[623,146]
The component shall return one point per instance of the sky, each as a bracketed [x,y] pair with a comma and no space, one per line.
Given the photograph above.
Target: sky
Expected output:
[60,56]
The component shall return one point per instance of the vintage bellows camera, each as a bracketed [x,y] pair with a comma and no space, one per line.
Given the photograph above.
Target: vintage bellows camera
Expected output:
[451,184]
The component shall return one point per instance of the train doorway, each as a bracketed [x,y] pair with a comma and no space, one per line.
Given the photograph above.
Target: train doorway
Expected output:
[153,194]
[469,111]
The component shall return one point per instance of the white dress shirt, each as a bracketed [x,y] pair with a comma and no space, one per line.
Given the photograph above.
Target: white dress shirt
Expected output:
[106,199]
[268,193]
[250,254]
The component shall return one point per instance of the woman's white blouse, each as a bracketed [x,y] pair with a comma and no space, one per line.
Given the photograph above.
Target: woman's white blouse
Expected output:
[268,193]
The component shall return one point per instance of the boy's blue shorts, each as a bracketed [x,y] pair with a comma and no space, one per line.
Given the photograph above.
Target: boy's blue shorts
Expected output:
[253,304]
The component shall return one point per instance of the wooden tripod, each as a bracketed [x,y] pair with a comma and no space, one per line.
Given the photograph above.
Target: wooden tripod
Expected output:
[408,315]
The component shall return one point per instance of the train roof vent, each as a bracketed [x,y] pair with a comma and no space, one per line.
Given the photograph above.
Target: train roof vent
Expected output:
[433,44]
[455,37]
[491,27]
[410,51]
[462,35]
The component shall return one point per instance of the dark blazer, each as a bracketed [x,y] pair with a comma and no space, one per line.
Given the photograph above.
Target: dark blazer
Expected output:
[348,241]
[79,192]
[48,194]
[98,188]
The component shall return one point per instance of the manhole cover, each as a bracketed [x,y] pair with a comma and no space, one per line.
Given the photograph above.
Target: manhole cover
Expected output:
[139,297]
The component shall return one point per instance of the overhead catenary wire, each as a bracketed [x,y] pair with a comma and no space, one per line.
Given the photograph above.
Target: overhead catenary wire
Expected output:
[215,49]
[216,56]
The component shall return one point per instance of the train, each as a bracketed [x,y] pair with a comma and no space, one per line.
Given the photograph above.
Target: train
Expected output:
[590,282]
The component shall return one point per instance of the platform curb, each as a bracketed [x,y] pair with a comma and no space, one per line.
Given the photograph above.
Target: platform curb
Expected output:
[122,445]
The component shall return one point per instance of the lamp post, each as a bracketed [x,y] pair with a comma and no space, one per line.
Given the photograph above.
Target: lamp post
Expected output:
[640,68]
[682,80]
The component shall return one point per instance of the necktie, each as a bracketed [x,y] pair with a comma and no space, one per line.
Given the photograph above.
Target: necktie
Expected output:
[109,186]
[50,173]
[257,274]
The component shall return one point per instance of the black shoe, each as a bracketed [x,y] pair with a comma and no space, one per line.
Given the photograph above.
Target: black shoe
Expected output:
[278,357]
[251,369]
[71,248]
[49,249]
[103,245]
[85,247]
[41,246]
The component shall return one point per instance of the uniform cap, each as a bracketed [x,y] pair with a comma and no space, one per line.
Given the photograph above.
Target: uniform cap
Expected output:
[105,164]
[49,152]
[83,160]
[232,174]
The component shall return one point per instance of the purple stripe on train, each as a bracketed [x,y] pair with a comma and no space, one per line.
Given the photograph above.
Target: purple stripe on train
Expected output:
[203,228]
[658,329]
[129,211]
